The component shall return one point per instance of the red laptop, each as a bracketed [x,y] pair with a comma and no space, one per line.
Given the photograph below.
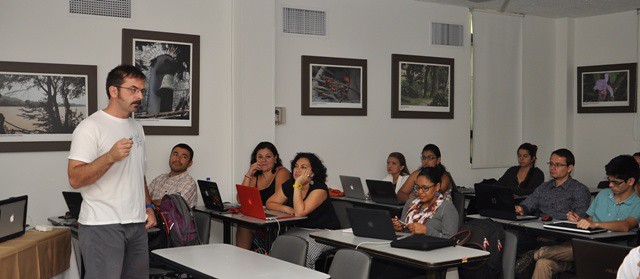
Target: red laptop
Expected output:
[251,204]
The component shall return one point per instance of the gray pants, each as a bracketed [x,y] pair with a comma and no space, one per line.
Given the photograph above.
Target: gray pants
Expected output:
[114,251]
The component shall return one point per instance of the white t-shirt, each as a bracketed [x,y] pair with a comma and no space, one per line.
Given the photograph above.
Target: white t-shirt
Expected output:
[401,180]
[118,196]
[629,268]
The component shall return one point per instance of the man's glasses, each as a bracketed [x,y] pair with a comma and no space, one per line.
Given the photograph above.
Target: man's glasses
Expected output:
[419,188]
[615,182]
[134,89]
[428,158]
[557,165]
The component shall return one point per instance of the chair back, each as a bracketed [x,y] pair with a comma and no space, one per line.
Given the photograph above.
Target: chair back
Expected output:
[203,226]
[350,264]
[603,184]
[290,248]
[597,260]
[509,255]
[340,208]
[457,199]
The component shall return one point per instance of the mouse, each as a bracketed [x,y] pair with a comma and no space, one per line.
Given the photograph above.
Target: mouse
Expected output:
[546,218]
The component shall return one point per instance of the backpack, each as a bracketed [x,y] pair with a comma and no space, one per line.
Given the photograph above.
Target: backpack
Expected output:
[179,224]
[482,234]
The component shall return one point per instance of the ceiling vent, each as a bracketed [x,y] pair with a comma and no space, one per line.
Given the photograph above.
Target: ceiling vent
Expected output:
[110,8]
[304,22]
[446,34]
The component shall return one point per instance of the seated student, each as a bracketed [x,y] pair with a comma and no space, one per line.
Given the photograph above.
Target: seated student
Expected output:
[524,177]
[428,213]
[430,157]
[306,194]
[177,180]
[267,174]
[397,169]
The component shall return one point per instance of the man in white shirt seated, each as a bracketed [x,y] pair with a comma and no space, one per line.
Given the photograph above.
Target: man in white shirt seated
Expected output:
[177,181]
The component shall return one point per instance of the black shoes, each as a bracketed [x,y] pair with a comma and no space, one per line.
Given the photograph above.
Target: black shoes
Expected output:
[525,261]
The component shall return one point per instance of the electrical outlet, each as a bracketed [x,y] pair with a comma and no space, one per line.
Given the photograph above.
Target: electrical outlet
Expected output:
[280,115]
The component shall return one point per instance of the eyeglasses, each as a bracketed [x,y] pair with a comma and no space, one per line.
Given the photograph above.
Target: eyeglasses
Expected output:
[557,165]
[615,182]
[419,188]
[133,89]
[428,158]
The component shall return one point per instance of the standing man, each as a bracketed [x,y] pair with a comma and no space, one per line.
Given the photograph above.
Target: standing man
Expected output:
[177,181]
[107,163]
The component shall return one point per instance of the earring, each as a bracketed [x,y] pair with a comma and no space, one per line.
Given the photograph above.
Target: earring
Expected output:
[311,182]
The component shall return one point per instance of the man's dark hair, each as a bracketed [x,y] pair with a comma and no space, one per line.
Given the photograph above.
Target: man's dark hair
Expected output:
[623,167]
[317,167]
[185,146]
[117,75]
[567,155]
[636,154]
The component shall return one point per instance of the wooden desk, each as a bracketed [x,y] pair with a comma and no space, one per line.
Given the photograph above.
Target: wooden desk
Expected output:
[241,219]
[36,254]
[227,261]
[536,227]
[438,260]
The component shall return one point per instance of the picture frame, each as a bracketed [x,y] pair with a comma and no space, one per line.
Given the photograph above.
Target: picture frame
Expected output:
[607,88]
[414,94]
[171,63]
[334,86]
[42,103]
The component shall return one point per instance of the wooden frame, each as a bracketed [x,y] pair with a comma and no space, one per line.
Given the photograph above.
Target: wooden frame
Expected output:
[607,88]
[172,65]
[414,94]
[334,86]
[41,104]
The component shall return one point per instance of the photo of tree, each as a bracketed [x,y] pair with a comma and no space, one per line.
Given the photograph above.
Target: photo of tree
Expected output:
[334,85]
[425,85]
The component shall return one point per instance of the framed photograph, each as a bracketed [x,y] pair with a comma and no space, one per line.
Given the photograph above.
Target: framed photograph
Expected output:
[334,86]
[41,104]
[607,88]
[171,63]
[421,87]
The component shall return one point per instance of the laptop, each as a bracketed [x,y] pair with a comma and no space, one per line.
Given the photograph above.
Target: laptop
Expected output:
[211,196]
[13,217]
[371,223]
[496,201]
[352,187]
[383,192]
[596,259]
[251,204]
[74,202]
[571,227]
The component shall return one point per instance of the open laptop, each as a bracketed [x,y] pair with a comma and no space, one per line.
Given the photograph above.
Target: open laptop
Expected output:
[251,204]
[497,201]
[571,227]
[596,259]
[74,202]
[13,217]
[383,192]
[372,223]
[352,187]
[211,196]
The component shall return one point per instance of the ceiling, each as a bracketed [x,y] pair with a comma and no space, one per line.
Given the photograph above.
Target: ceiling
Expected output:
[548,8]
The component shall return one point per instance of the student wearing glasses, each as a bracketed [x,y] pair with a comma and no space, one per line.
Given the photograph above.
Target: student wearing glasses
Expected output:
[524,177]
[430,157]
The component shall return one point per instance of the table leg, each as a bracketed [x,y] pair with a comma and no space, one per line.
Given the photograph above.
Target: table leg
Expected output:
[226,232]
[440,273]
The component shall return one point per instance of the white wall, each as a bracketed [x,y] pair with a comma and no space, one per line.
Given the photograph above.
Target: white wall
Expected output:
[598,137]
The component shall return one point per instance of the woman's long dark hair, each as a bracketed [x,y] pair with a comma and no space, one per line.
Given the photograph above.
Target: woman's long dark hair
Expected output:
[272,148]
[317,167]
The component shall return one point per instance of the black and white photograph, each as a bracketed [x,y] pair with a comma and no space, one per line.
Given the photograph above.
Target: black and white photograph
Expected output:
[41,104]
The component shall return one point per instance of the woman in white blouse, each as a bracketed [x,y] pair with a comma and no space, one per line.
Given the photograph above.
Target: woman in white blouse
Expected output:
[397,169]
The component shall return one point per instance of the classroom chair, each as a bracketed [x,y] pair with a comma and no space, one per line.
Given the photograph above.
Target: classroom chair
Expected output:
[341,211]
[509,255]
[457,198]
[290,248]
[350,264]
[203,226]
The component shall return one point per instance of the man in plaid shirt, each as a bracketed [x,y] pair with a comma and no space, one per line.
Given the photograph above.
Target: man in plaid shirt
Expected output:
[177,180]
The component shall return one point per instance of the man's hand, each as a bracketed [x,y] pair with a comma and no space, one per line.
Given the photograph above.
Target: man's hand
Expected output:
[585,224]
[120,150]
[573,217]
[151,219]
[519,210]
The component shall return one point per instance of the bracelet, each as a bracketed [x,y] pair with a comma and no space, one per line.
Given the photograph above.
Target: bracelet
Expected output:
[247,176]
[149,206]
[297,186]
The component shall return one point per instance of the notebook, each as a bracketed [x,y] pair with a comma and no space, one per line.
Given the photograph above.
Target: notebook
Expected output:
[383,192]
[251,204]
[211,196]
[571,227]
[596,259]
[352,187]
[13,217]
[497,201]
[74,202]
[372,223]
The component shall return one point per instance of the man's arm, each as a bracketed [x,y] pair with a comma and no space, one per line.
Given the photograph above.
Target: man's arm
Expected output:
[616,226]
[82,174]
[151,216]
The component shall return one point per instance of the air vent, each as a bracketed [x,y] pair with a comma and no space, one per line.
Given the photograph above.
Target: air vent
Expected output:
[305,22]
[446,34]
[111,8]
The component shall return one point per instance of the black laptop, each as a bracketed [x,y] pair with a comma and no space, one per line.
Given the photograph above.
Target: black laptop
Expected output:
[497,201]
[211,196]
[372,223]
[13,217]
[383,192]
[596,259]
[74,202]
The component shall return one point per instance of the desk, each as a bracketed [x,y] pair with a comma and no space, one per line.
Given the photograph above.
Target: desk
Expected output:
[36,254]
[239,218]
[438,260]
[535,227]
[227,261]
[393,209]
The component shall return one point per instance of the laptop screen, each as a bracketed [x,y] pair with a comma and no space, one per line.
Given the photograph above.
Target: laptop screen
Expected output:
[13,217]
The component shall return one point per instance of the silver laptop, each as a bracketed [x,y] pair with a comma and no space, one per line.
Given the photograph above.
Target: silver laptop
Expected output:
[571,227]
[352,187]
[13,217]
